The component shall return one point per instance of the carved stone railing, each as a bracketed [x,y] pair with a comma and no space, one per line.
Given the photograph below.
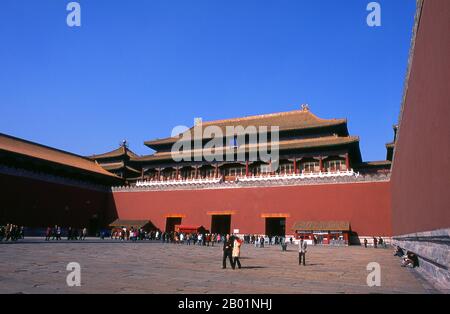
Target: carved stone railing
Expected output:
[257,181]
[296,176]
[178,182]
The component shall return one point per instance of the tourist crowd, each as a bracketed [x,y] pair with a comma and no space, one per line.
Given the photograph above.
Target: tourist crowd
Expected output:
[132,234]
[376,242]
[56,233]
[11,232]
[192,238]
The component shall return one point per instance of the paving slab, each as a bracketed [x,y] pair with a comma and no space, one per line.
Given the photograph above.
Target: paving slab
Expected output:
[35,266]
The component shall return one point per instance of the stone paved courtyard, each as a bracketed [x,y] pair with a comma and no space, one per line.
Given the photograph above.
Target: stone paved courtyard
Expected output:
[114,267]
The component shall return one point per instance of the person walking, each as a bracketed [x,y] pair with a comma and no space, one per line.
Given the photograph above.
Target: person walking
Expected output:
[58,233]
[365,243]
[302,251]
[48,233]
[54,232]
[283,244]
[236,252]
[2,233]
[227,251]
[182,238]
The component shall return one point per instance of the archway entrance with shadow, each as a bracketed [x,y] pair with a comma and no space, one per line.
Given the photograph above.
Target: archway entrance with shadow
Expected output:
[276,227]
[171,222]
[221,224]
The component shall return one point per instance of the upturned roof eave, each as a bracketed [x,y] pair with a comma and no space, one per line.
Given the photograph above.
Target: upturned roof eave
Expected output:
[349,141]
[53,156]
[154,144]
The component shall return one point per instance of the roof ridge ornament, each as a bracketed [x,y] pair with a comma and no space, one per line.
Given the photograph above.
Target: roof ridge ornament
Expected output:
[124,144]
[198,121]
[305,107]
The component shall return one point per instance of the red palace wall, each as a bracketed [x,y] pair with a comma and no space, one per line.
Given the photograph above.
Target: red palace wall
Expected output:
[421,169]
[35,203]
[366,205]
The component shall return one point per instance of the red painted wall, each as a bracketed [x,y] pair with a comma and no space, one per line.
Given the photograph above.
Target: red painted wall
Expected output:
[365,205]
[35,203]
[421,169]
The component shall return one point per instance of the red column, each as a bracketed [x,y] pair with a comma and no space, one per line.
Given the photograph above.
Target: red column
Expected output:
[142,174]
[177,173]
[159,174]
[321,164]
[347,162]
[216,174]
[196,172]
[246,168]
[295,166]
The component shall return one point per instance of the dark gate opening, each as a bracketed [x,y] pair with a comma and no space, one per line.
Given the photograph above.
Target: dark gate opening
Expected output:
[171,222]
[221,224]
[276,227]
[94,226]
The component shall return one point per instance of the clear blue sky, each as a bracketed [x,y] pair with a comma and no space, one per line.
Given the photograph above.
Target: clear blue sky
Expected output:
[135,69]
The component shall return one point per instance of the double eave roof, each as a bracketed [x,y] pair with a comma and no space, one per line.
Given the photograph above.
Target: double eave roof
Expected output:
[321,226]
[118,166]
[285,121]
[283,145]
[119,152]
[118,223]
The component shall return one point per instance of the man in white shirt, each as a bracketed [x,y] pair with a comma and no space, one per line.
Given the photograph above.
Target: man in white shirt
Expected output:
[302,251]
[181,238]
